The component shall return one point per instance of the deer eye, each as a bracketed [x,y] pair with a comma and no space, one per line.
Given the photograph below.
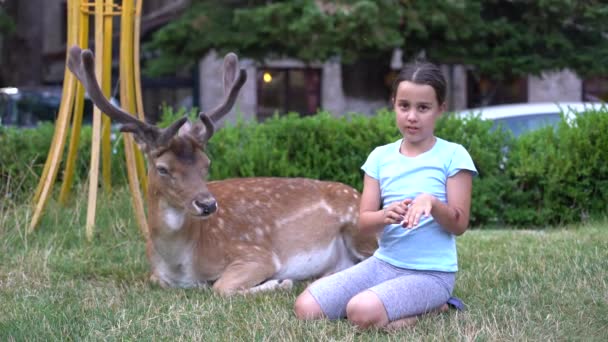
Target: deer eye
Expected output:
[162,170]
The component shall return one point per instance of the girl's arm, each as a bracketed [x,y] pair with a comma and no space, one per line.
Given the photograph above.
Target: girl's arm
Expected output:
[453,216]
[372,218]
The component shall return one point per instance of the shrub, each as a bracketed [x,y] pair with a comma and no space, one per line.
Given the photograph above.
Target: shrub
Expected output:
[320,146]
[561,175]
[546,177]
[23,153]
[325,147]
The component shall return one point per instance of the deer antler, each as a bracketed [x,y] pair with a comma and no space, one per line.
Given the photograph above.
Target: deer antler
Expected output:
[232,85]
[81,63]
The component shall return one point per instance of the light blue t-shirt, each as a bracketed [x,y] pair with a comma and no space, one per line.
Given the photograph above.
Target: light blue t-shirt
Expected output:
[427,246]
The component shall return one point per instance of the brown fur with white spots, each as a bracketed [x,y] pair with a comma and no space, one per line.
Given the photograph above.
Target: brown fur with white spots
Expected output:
[241,235]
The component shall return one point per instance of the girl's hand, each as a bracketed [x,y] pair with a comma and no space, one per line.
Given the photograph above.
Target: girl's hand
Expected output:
[395,212]
[421,205]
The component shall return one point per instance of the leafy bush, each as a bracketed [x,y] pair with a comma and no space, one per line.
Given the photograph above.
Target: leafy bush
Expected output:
[23,153]
[560,175]
[329,148]
[546,177]
[22,157]
[321,146]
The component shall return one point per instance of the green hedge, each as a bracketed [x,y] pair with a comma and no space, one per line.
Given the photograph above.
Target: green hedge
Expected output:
[330,148]
[560,175]
[543,178]
[23,153]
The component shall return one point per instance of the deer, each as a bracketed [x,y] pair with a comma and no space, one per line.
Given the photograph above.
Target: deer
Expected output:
[238,235]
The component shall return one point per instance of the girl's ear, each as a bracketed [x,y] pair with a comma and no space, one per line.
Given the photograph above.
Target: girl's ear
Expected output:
[443,107]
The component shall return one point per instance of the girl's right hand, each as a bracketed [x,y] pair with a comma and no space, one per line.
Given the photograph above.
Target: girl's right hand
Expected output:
[395,212]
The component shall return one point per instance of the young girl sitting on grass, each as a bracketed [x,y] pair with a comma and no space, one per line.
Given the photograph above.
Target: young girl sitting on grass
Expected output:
[417,196]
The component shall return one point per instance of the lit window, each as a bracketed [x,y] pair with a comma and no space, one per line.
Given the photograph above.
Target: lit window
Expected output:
[283,90]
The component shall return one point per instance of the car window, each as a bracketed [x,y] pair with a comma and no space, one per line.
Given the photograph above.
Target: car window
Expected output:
[29,108]
[525,123]
[32,108]
[8,111]
[4,109]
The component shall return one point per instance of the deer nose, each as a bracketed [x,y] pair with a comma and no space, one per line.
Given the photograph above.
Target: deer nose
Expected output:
[205,208]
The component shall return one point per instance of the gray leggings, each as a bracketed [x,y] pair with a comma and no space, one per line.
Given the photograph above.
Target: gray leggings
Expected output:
[403,292]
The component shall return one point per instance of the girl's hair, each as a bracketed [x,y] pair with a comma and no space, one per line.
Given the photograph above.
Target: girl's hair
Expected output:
[423,73]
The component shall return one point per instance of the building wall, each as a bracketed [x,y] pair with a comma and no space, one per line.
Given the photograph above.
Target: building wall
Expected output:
[551,86]
[52,17]
[332,94]
[53,23]
[210,94]
[333,98]
[562,85]
[457,88]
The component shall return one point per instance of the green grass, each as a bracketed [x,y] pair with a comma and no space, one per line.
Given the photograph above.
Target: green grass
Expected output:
[541,285]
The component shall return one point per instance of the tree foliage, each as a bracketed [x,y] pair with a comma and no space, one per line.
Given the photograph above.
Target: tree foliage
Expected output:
[303,29]
[497,37]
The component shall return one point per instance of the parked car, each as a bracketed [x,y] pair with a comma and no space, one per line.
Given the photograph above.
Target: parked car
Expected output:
[26,107]
[524,117]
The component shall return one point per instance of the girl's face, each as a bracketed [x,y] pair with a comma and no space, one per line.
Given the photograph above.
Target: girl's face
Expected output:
[416,110]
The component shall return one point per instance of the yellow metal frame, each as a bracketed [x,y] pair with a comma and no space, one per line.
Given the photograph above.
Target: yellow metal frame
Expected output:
[72,103]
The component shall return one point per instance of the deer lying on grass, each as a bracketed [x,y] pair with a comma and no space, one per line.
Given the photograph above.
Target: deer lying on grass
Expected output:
[242,235]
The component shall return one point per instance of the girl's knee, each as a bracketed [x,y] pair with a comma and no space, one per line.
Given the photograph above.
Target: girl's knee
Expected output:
[307,307]
[366,310]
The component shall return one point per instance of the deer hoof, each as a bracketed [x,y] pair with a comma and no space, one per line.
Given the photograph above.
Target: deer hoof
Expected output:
[156,281]
[286,284]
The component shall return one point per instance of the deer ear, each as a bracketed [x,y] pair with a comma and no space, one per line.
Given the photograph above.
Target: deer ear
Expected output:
[185,129]
[195,130]
[139,140]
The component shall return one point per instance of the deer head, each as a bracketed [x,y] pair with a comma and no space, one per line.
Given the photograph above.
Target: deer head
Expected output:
[177,163]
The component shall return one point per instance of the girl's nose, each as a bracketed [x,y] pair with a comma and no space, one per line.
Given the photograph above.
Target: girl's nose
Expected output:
[411,115]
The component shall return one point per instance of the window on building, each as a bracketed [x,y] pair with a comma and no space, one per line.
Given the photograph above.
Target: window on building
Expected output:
[484,91]
[595,89]
[284,90]
[368,78]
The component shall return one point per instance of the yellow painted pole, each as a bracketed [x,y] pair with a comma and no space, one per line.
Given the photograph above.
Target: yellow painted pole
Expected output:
[136,67]
[54,157]
[72,36]
[73,96]
[96,137]
[127,101]
[106,87]
[68,175]
[141,164]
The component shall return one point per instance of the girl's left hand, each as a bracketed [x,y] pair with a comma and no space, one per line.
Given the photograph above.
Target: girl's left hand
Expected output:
[421,205]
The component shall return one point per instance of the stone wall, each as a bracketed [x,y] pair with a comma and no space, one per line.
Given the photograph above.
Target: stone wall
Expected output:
[562,85]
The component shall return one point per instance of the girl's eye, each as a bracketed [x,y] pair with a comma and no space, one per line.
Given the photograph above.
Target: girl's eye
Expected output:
[163,171]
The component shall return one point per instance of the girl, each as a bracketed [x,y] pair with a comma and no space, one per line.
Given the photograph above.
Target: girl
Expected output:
[417,198]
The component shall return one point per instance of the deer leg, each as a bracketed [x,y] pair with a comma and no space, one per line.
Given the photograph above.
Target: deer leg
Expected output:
[244,277]
[273,284]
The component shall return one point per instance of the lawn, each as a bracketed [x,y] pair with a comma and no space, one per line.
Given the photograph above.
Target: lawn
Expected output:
[547,284]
